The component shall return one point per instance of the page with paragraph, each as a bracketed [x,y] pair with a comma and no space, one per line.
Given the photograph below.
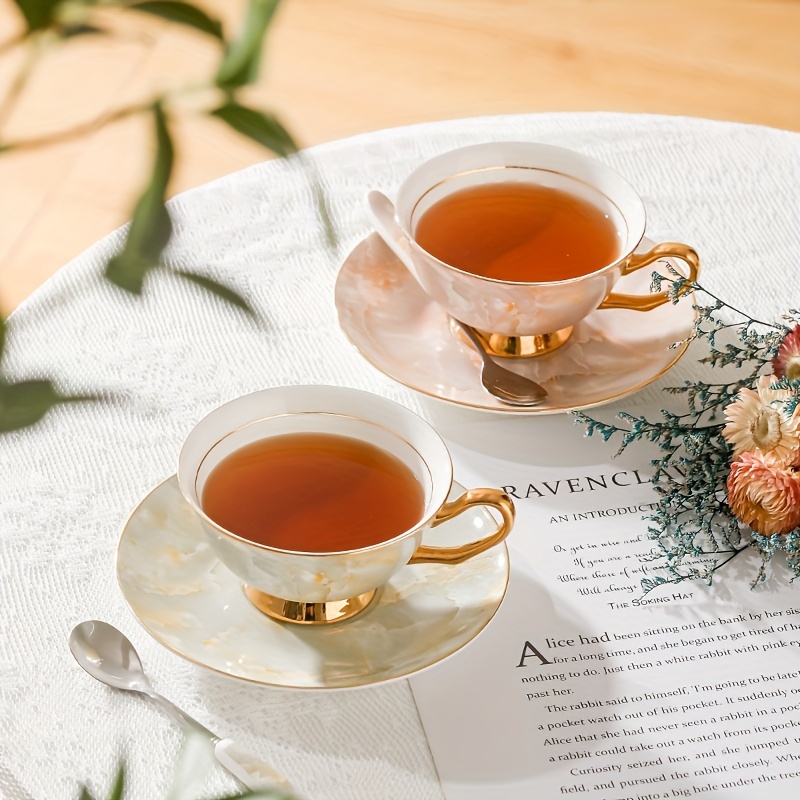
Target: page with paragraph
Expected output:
[583,684]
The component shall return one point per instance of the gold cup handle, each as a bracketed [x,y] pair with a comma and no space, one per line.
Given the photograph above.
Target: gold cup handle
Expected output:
[646,302]
[494,498]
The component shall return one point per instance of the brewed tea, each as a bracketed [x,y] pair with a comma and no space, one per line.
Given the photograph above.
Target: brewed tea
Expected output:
[519,232]
[313,493]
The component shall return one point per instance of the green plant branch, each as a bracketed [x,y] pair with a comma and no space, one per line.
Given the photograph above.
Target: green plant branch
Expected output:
[150,229]
[691,573]
[82,129]
[32,55]
[748,321]
[10,44]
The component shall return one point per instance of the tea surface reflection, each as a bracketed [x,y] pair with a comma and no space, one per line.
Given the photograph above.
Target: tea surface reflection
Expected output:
[313,493]
[518,231]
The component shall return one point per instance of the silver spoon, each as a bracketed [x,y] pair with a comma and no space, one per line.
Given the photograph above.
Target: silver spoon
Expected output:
[502,383]
[108,655]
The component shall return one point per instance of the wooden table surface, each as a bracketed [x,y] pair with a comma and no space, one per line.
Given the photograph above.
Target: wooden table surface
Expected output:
[339,68]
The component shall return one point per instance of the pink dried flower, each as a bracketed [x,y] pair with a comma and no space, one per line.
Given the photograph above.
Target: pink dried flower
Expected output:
[763,494]
[787,360]
[757,421]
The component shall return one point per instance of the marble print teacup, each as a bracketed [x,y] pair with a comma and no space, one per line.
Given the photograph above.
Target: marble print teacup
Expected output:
[531,316]
[321,587]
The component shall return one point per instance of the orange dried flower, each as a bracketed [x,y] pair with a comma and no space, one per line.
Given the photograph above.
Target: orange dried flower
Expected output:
[764,494]
[757,421]
[786,363]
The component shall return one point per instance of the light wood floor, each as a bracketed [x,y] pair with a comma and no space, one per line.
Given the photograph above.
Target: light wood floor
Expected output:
[339,67]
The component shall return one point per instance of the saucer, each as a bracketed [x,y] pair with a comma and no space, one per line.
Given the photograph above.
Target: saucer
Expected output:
[192,604]
[407,336]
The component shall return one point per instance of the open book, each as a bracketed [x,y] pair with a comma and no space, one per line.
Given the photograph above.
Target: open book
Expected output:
[585,686]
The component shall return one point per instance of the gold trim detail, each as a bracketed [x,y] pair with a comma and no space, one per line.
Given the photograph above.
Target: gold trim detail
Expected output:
[308,613]
[537,344]
[647,302]
[494,498]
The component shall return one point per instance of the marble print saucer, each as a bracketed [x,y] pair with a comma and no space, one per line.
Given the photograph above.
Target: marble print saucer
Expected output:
[407,336]
[193,605]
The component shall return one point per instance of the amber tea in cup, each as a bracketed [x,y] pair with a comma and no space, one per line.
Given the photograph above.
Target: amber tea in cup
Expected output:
[313,493]
[521,232]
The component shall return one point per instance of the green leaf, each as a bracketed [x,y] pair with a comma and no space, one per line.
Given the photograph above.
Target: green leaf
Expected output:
[182,13]
[268,131]
[151,226]
[323,210]
[119,784]
[259,126]
[194,762]
[242,58]
[39,14]
[260,794]
[26,402]
[2,335]
[116,791]
[219,289]
[78,29]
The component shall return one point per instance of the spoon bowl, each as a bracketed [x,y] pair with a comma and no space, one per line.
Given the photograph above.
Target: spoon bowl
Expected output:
[502,383]
[108,656]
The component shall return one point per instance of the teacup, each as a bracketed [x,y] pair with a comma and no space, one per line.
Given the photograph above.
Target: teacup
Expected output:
[534,310]
[314,581]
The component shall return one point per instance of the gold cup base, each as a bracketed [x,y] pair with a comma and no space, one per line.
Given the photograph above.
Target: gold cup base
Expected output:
[538,344]
[308,613]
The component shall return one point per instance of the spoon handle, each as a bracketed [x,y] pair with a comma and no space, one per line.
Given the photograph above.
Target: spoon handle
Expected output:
[473,337]
[249,769]
[244,766]
[186,722]
[381,210]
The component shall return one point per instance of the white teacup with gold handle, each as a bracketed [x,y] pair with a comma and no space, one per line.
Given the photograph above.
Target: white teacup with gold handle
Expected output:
[521,240]
[315,496]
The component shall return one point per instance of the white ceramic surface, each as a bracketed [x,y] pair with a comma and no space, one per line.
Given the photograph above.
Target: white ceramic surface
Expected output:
[194,605]
[401,331]
[522,308]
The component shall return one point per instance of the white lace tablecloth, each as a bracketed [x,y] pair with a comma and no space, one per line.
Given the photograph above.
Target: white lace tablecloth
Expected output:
[162,362]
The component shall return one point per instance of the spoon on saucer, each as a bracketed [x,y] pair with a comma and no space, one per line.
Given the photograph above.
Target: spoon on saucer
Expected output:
[108,655]
[502,383]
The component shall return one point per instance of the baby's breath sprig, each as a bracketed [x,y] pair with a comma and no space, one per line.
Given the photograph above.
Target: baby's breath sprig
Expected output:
[693,528]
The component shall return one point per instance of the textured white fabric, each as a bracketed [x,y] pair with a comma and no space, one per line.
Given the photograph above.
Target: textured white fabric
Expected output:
[162,362]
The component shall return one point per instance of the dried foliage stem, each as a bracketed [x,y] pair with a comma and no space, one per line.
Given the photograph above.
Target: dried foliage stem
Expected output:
[694,525]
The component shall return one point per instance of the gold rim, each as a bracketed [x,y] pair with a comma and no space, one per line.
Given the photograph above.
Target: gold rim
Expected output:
[297,613]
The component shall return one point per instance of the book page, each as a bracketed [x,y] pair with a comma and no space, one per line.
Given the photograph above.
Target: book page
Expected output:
[583,686]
